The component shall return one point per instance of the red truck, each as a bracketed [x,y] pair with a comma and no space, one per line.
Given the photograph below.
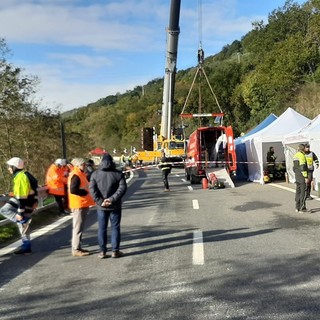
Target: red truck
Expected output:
[210,149]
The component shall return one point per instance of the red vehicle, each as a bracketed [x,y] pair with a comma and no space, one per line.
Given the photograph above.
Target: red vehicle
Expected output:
[208,149]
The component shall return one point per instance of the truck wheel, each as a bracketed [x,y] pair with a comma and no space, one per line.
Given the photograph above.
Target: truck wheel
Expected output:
[193,179]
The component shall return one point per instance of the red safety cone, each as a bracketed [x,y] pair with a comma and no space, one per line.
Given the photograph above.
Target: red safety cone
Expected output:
[204,183]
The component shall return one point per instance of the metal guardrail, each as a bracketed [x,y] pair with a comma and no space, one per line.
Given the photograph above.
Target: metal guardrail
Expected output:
[42,196]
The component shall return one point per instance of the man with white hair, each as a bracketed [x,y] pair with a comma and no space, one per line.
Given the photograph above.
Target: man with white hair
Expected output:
[80,201]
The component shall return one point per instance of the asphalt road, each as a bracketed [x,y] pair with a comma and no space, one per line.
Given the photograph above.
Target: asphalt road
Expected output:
[240,253]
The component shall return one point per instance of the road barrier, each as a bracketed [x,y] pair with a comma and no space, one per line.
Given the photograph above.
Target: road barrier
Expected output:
[42,196]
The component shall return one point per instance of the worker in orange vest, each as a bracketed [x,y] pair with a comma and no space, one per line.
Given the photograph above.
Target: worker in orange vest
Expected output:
[56,181]
[80,201]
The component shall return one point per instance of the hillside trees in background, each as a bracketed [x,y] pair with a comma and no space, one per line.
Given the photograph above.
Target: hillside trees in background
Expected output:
[27,131]
[273,67]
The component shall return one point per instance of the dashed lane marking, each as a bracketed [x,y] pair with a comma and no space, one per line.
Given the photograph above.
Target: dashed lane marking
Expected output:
[195,204]
[198,251]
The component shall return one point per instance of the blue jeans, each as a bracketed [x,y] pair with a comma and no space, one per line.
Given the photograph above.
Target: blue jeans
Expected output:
[103,219]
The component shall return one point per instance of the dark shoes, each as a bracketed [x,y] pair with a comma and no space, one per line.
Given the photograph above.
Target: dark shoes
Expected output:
[116,254]
[22,250]
[304,210]
[309,198]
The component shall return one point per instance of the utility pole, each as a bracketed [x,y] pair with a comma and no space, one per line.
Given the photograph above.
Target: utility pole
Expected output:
[63,140]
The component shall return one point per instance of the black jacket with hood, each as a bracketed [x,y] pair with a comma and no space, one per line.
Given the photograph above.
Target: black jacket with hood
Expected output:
[108,183]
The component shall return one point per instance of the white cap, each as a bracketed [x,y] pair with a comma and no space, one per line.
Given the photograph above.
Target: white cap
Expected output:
[16,162]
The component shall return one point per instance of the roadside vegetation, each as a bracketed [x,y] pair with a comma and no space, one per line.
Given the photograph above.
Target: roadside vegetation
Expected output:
[273,67]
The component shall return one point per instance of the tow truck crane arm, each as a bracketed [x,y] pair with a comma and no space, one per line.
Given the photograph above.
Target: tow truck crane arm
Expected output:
[173,31]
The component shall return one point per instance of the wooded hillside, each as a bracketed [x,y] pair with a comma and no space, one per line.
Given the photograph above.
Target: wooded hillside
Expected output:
[274,66]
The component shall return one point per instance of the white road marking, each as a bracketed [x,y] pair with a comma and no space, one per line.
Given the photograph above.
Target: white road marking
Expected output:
[198,252]
[195,204]
[289,189]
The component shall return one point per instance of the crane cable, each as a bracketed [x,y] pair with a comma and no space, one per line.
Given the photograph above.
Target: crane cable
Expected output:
[200,69]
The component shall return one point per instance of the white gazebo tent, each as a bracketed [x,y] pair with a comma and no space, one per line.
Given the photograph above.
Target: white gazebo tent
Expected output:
[257,145]
[242,160]
[308,134]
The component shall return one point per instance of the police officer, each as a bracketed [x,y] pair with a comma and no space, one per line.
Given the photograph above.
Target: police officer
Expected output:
[165,167]
[311,159]
[300,169]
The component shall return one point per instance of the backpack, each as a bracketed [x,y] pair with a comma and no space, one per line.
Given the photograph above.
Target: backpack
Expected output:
[33,182]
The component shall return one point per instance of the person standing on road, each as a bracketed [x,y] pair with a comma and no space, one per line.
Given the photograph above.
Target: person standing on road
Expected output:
[80,201]
[89,168]
[20,207]
[271,163]
[107,187]
[56,181]
[300,170]
[165,167]
[312,160]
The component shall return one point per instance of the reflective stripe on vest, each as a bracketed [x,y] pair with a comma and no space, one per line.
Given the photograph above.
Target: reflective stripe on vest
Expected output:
[55,180]
[300,163]
[21,186]
[309,158]
[75,201]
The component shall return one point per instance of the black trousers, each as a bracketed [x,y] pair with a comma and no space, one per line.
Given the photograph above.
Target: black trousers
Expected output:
[61,202]
[165,174]
[271,171]
[310,178]
[301,194]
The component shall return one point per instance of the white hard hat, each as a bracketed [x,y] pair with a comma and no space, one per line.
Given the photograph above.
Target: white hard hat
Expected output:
[58,162]
[61,162]
[16,162]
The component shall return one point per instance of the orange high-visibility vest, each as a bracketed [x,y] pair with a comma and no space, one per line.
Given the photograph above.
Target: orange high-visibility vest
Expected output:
[55,180]
[75,201]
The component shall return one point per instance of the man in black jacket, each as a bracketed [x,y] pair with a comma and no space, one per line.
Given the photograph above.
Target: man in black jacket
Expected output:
[165,167]
[271,163]
[107,187]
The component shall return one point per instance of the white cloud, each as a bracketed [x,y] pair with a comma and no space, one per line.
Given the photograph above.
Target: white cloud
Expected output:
[85,50]
[81,60]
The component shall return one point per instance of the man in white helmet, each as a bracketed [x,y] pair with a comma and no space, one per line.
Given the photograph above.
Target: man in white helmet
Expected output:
[23,202]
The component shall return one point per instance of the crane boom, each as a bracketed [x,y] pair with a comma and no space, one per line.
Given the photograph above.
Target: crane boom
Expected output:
[173,31]
[173,144]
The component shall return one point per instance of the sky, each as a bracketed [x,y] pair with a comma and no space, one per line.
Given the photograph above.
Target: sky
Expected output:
[85,50]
